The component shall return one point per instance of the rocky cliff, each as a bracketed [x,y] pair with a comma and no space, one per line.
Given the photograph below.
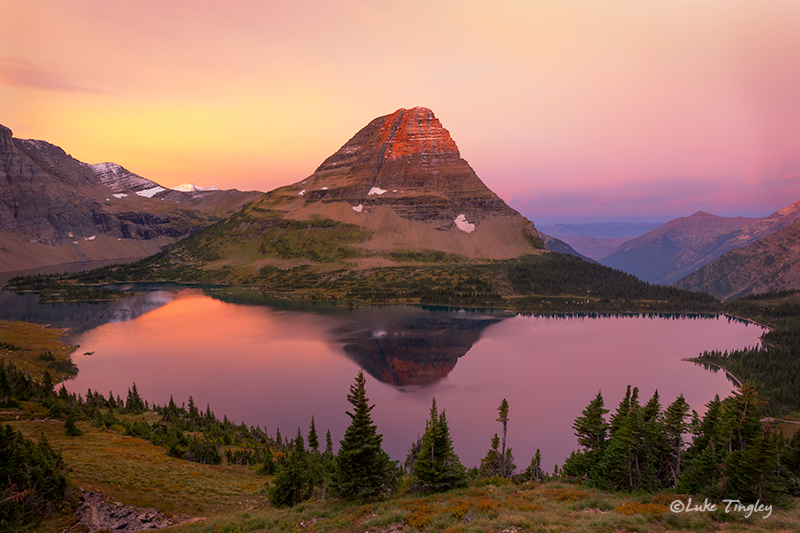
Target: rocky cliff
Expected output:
[55,209]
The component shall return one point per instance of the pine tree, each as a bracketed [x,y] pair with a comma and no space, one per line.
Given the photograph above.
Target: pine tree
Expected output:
[591,429]
[134,403]
[293,482]
[675,426]
[492,462]
[268,466]
[534,471]
[619,468]
[651,446]
[437,467]
[502,412]
[704,458]
[362,470]
[313,440]
[47,384]
[328,445]
[72,430]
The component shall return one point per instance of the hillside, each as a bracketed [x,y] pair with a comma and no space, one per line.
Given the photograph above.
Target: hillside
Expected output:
[770,264]
[55,209]
[685,244]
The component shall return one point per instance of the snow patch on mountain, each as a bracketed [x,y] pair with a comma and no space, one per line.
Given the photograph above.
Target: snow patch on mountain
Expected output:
[149,193]
[191,187]
[463,225]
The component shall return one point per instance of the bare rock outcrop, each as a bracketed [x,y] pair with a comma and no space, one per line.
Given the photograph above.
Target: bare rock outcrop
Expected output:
[95,514]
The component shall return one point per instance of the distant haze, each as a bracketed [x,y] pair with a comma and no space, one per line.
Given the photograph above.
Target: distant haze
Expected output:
[600,230]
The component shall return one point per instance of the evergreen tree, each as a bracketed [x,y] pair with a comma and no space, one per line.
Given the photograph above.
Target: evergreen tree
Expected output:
[313,440]
[492,462]
[268,466]
[675,426]
[651,446]
[436,467]
[293,482]
[619,468]
[362,470]
[502,412]
[72,430]
[591,429]
[328,445]
[134,403]
[534,471]
[47,384]
[704,458]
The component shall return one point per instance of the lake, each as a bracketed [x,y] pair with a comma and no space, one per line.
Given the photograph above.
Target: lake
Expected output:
[276,365]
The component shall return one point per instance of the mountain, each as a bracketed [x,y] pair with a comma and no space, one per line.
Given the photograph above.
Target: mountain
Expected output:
[557,245]
[766,265]
[601,230]
[596,240]
[398,191]
[55,209]
[683,245]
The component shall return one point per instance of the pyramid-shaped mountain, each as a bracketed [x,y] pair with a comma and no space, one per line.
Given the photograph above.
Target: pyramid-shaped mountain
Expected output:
[398,191]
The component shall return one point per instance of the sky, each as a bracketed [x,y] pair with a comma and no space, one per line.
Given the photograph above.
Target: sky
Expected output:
[571,111]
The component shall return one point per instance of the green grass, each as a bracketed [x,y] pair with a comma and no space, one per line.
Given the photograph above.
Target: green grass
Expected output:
[549,507]
[34,349]
[134,471]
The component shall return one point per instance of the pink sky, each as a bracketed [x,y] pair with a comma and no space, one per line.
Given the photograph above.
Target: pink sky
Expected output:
[570,110]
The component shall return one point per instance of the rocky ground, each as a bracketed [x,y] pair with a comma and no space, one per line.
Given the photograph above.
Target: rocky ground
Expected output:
[96,514]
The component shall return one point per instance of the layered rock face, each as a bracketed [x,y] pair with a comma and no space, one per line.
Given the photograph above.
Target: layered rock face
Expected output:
[403,180]
[55,209]
[409,161]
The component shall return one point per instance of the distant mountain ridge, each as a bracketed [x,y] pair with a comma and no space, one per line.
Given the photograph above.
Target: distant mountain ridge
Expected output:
[596,240]
[55,209]
[601,230]
[766,265]
[683,245]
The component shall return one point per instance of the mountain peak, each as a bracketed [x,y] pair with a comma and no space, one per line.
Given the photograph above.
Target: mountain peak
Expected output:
[415,131]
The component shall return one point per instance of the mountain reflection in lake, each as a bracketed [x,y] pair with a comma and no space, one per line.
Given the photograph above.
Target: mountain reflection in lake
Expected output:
[276,368]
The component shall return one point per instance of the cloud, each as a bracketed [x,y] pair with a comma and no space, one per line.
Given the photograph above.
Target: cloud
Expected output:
[15,72]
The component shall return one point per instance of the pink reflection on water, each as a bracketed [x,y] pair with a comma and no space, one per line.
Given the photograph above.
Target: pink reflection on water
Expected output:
[278,368]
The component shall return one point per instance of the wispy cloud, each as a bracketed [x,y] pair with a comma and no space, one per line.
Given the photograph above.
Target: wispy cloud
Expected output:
[16,72]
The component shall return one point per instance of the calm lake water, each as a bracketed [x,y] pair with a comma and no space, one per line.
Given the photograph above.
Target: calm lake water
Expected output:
[276,366]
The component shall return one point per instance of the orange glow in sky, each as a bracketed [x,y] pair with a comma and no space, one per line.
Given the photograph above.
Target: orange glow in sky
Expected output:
[578,110]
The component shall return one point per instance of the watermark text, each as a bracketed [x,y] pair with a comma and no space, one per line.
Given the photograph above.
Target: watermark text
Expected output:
[729,506]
